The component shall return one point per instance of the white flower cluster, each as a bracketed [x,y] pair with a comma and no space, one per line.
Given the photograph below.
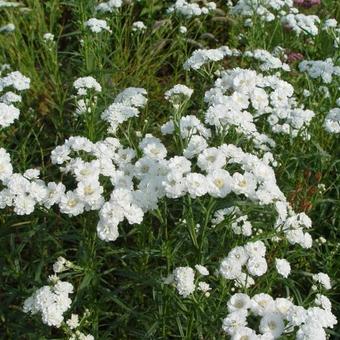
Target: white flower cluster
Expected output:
[139,184]
[323,279]
[48,37]
[81,336]
[252,256]
[62,265]
[16,80]
[294,225]
[266,9]
[301,23]
[11,84]
[269,10]
[183,278]
[187,9]
[331,26]
[240,224]
[324,69]
[86,87]
[126,105]
[51,302]
[8,28]
[219,215]
[189,126]
[8,4]
[329,23]
[122,204]
[22,192]
[183,30]
[97,25]
[84,84]
[138,26]
[283,267]
[268,61]
[109,6]
[177,94]
[203,56]
[277,317]
[249,93]
[332,121]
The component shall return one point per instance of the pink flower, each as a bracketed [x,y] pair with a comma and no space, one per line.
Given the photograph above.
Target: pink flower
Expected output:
[294,56]
[307,3]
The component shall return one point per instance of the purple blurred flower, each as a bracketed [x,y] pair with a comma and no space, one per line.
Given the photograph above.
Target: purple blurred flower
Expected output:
[307,3]
[294,56]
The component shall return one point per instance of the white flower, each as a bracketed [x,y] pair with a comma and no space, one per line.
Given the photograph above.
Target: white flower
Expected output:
[6,168]
[202,270]
[261,304]
[202,57]
[255,249]
[138,26]
[272,323]
[178,93]
[244,184]
[7,28]
[239,254]
[184,280]
[332,121]
[330,23]
[8,114]
[257,266]
[51,301]
[109,6]
[108,230]
[301,23]
[220,183]
[204,287]
[71,204]
[48,37]
[183,7]
[196,184]
[211,159]
[54,194]
[86,83]
[152,147]
[244,281]
[183,29]
[116,114]
[230,268]
[311,332]
[10,98]
[97,25]
[132,96]
[238,301]
[323,279]
[282,306]
[325,69]
[235,323]
[196,145]
[282,267]
[60,265]
[73,321]
[323,301]
[242,226]
[91,194]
